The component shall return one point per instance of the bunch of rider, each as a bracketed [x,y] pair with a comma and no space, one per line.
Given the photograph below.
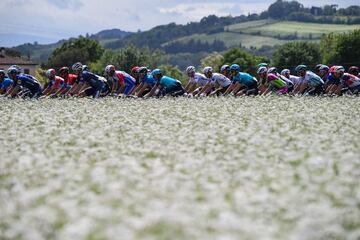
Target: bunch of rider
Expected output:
[142,82]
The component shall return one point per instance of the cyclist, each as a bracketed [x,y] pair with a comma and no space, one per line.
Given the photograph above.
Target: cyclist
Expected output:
[354,71]
[123,83]
[311,84]
[294,79]
[27,84]
[349,82]
[54,84]
[69,81]
[196,81]
[5,82]
[146,82]
[289,83]
[272,82]
[88,84]
[242,83]
[218,83]
[225,70]
[167,86]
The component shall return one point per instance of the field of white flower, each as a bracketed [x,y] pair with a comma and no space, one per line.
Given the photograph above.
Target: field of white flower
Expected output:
[247,168]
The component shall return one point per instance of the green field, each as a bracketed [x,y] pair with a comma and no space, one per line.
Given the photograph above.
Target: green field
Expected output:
[268,33]
[286,28]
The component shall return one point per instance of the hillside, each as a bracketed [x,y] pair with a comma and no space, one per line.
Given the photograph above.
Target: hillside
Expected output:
[269,32]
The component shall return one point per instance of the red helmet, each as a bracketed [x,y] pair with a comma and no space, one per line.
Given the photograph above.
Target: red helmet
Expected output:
[135,69]
[332,69]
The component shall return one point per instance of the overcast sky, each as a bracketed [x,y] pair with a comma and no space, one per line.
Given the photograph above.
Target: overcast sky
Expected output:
[52,20]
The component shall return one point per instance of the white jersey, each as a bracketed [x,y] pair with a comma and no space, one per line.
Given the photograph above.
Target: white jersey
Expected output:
[219,79]
[199,79]
[312,79]
[295,80]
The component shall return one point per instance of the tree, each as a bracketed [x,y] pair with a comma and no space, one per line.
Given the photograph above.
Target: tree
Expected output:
[341,49]
[128,57]
[174,72]
[247,61]
[294,53]
[82,50]
[214,60]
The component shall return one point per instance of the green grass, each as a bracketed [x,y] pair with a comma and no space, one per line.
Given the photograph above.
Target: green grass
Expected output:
[302,30]
[235,39]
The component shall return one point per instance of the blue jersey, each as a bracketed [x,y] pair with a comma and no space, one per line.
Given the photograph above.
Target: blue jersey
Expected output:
[7,82]
[168,82]
[245,79]
[28,82]
[149,80]
[90,78]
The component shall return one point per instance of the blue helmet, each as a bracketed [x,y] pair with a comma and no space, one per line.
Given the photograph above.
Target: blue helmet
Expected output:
[13,70]
[156,72]
[235,67]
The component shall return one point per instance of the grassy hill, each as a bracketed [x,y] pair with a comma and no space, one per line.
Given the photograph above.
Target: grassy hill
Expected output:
[268,32]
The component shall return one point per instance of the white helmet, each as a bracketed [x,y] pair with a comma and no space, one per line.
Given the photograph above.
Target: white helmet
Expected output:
[262,70]
[50,72]
[207,70]
[285,71]
[339,69]
[77,66]
[190,69]
[109,68]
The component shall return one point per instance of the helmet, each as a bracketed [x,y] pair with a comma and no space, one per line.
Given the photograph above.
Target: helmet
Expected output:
[135,69]
[77,66]
[263,65]
[353,70]
[13,70]
[143,70]
[285,71]
[317,67]
[190,69]
[235,67]
[64,70]
[262,70]
[50,72]
[324,68]
[224,68]
[17,67]
[2,72]
[207,70]
[85,68]
[272,70]
[332,69]
[109,68]
[156,72]
[339,69]
[300,68]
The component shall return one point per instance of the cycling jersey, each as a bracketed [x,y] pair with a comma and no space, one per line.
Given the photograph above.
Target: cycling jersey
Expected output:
[56,82]
[149,79]
[349,80]
[221,80]
[276,82]
[90,78]
[199,79]
[7,82]
[70,79]
[312,79]
[245,79]
[123,78]
[28,82]
[295,80]
[168,82]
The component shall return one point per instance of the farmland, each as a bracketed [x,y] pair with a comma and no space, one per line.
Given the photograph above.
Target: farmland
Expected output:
[249,168]
[269,33]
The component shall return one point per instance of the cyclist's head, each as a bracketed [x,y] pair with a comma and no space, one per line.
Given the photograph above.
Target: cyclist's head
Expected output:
[286,73]
[262,72]
[208,71]
[272,70]
[135,71]
[157,74]
[143,71]
[2,73]
[339,71]
[190,71]
[77,67]
[301,70]
[234,69]
[13,72]
[50,73]
[225,69]
[354,70]
[64,71]
[110,70]
[323,70]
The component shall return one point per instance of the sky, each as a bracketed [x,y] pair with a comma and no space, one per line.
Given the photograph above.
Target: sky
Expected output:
[48,21]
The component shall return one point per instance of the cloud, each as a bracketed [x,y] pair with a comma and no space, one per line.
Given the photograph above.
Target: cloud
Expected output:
[67,4]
